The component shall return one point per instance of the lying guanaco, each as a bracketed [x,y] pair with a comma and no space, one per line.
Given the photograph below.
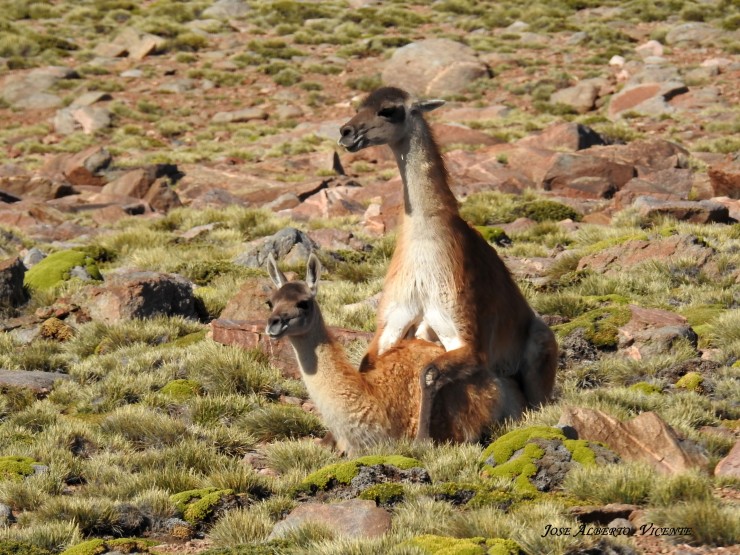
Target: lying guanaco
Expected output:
[361,409]
[445,281]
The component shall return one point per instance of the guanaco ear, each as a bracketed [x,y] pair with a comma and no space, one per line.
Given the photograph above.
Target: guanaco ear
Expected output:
[427,105]
[278,277]
[313,272]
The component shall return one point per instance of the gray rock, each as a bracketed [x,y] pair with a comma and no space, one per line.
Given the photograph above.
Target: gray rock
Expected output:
[6,515]
[29,91]
[12,292]
[623,523]
[692,33]
[33,257]
[581,97]
[288,111]
[434,67]
[227,9]
[288,241]
[64,122]
[178,86]
[355,518]
[92,118]
[132,73]
[40,383]
[702,211]
[90,98]
[80,273]
[247,114]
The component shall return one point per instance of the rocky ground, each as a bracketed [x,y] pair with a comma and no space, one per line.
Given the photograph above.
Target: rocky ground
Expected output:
[153,154]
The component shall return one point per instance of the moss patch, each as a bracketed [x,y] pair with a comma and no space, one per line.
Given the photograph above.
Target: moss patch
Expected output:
[123,545]
[600,326]
[546,210]
[342,473]
[691,381]
[56,329]
[9,547]
[56,268]
[181,390]
[444,545]
[384,494]
[198,504]
[187,340]
[646,388]
[16,468]
[476,495]
[494,235]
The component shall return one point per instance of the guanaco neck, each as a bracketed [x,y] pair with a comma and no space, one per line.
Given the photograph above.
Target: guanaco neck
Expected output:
[425,188]
[321,358]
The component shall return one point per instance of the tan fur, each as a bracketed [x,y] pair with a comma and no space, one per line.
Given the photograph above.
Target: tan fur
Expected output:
[443,274]
[362,409]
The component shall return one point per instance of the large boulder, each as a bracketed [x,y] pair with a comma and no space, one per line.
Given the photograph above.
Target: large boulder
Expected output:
[586,176]
[434,67]
[725,179]
[650,99]
[698,212]
[139,294]
[288,242]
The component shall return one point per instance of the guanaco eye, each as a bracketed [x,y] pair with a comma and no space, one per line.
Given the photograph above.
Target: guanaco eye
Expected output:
[303,305]
[268,302]
[393,113]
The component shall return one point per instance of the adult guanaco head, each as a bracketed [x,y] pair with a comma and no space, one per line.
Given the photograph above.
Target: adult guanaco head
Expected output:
[293,304]
[383,118]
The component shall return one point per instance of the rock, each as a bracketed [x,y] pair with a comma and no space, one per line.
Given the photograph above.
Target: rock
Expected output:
[725,179]
[621,257]
[134,183]
[673,184]
[12,292]
[246,114]
[648,156]
[603,514]
[433,67]
[581,96]
[585,176]
[650,48]
[649,99]
[90,98]
[732,205]
[250,303]
[699,212]
[564,136]
[34,186]
[457,134]
[250,334]
[227,9]
[288,111]
[356,518]
[328,203]
[58,267]
[730,465]
[92,118]
[139,294]
[147,44]
[28,91]
[652,331]
[460,115]
[692,33]
[161,196]
[33,257]
[83,168]
[283,243]
[178,86]
[646,438]
[64,122]
[38,382]
[6,515]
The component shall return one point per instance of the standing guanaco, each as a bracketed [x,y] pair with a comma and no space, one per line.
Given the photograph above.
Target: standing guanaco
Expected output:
[445,281]
[361,409]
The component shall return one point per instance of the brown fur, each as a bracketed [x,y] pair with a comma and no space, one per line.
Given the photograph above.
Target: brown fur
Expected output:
[362,409]
[485,321]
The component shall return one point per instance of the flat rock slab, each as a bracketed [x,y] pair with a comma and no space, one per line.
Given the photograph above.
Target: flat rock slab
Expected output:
[40,383]
[698,212]
[355,518]
[646,438]
[251,334]
[653,331]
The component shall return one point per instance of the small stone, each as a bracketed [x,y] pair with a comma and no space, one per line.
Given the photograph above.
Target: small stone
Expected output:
[616,61]
[650,48]
[33,257]
[92,118]
[132,73]
[247,114]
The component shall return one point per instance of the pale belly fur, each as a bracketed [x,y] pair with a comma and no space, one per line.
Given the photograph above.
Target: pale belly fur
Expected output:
[420,296]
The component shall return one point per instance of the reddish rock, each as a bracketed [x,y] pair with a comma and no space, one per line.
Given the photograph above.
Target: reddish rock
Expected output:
[136,294]
[251,334]
[12,292]
[161,196]
[581,97]
[698,212]
[564,136]
[730,465]
[474,114]
[648,156]
[250,303]
[472,172]
[645,438]
[620,257]
[108,215]
[335,239]
[34,186]
[647,98]
[27,214]
[725,179]
[671,184]
[356,518]
[584,176]
[652,331]
[448,135]
[328,203]
[134,183]
[83,168]
[732,205]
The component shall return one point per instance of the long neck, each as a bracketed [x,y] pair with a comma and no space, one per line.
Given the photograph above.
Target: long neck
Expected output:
[321,359]
[425,188]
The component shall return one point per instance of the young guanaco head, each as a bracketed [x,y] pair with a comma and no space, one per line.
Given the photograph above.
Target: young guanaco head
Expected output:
[293,305]
[383,118]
